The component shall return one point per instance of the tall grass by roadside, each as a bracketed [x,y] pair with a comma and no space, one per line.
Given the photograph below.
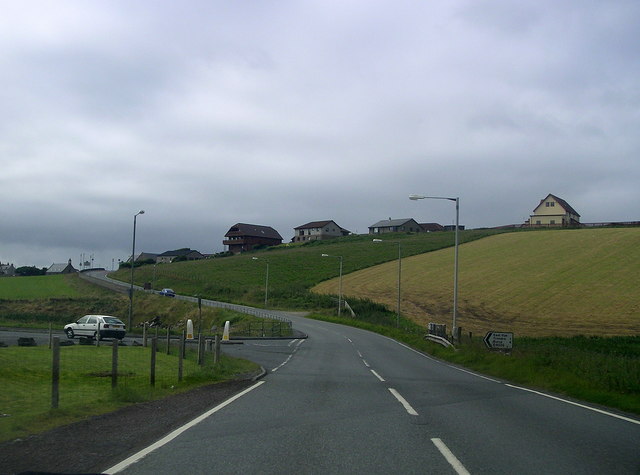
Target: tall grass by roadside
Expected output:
[85,383]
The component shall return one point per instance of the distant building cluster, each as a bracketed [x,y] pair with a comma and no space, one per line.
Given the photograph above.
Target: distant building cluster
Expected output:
[552,211]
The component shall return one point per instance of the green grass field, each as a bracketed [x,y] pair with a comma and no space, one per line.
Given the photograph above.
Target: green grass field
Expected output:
[564,282]
[293,269]
[39,287]
[85,383]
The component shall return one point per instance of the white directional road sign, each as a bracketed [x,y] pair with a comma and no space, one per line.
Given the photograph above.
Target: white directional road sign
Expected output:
[499,340]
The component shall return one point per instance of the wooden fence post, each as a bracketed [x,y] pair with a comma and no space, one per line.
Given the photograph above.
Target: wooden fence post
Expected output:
[152,378]
[216,354]
[200,349]
[144,334]
[114,364]
[168,339]
[55,373]
[181,355]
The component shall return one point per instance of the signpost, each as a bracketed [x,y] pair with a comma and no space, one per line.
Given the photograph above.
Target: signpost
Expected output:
[499,340]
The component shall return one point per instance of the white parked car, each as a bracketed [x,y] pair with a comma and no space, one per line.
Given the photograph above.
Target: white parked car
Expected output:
[90,325]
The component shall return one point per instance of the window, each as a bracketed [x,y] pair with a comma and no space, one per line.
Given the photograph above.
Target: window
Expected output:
[553,221]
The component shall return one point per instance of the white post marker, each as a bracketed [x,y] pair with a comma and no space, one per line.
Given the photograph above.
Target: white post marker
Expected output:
[189,330]
[225,333]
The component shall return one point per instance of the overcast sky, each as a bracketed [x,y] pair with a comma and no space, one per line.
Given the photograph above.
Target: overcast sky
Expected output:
[209,113]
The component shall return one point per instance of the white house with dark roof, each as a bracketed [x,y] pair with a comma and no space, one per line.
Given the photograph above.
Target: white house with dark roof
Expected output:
[184,254]
[318,230]
[7,270]
[61,269]
[554,211]
[402,225]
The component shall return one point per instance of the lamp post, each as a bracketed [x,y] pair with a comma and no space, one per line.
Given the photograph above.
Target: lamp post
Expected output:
[339,284]
[455,259]
[399,277]
[266,281]
[133,261]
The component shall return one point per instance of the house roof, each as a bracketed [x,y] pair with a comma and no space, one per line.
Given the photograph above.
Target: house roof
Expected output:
[178,252]
[315,224]
[59,268]
[388,223]
[567,207]
[432,226]
[253,230]
[320,224]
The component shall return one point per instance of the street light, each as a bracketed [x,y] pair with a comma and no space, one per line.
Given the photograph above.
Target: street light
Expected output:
[339,285]
[399,277]
[266,282]
[133,260]
[455,259]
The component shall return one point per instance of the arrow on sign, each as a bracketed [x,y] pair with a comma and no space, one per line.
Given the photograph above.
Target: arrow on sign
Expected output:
[499,340]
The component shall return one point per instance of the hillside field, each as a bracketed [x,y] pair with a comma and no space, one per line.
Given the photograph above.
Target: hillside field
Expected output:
[545,283]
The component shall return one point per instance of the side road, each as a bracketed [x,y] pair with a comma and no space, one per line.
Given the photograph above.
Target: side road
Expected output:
[93,445]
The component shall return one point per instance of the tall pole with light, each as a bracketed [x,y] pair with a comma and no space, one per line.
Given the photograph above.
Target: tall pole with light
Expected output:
[455,259]
[133,261]
[266,281]
[339,284]
[399,277]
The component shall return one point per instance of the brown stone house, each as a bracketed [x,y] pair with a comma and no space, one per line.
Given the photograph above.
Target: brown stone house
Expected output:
[243,237]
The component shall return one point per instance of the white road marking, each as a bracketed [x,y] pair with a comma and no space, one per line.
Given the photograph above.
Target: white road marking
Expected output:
[169,437]
[447,454]
[365,363]
[404,402]
[377,375]
[289,357]
[606,413]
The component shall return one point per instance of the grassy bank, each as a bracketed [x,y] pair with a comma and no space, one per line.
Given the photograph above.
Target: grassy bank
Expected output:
[70,297]
[85,384]
[562,282]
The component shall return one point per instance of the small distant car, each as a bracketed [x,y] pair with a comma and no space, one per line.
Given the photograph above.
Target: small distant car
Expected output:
[90,325]
[168,292]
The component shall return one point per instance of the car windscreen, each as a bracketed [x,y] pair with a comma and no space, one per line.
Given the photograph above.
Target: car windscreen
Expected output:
[113,320]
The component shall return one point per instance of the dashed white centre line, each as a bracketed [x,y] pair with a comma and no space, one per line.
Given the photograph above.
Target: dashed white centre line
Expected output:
[404,402]
[377,375]
[447,454]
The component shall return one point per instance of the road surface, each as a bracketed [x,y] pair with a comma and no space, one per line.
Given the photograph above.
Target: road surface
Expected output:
[349,401]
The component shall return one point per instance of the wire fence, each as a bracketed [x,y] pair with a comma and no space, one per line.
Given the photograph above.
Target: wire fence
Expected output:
[98,376]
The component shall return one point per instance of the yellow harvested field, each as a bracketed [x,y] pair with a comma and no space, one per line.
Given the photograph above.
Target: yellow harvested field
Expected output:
[557,282]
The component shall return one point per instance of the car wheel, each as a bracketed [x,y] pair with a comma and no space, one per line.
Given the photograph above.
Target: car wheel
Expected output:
[69,333]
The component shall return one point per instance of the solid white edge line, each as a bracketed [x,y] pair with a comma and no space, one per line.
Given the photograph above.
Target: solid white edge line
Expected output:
[448,455]
[377,375]
[606,413]
[172,435]
[441,362]
[403,401]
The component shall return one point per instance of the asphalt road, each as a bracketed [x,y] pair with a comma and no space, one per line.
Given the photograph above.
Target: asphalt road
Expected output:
[349,401]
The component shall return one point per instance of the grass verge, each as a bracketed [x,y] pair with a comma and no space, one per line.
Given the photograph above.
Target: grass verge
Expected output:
[85,383]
